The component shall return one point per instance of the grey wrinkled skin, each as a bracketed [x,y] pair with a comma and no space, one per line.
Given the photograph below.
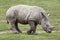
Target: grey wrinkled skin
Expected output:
[25,14]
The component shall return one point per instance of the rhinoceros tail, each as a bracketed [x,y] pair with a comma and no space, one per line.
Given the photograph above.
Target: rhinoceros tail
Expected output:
[7,22]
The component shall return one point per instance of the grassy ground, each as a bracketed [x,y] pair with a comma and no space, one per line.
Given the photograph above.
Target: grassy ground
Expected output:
[51,6]
[23,36]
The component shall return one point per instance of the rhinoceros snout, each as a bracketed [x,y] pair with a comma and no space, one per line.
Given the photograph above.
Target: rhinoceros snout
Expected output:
[48,29]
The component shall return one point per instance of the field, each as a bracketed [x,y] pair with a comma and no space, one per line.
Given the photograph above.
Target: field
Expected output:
[51,6]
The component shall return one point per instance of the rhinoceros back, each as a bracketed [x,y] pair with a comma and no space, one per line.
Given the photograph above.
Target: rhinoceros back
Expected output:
[23,13]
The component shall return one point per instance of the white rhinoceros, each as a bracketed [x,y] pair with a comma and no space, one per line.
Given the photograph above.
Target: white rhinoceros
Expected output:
[25,14]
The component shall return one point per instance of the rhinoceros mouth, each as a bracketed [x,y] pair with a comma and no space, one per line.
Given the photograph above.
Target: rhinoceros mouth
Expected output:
[48,31]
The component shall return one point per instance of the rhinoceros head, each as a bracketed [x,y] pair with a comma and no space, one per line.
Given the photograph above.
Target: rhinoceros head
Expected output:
[46,24]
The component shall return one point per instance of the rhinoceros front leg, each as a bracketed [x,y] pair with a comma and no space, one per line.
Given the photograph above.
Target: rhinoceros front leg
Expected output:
[32,29]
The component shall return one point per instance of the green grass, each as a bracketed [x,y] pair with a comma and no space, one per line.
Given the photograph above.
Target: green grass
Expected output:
[51,6]
[5,26]
[23,36]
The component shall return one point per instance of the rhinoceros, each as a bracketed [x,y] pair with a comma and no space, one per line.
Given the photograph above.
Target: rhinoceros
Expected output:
[25,14]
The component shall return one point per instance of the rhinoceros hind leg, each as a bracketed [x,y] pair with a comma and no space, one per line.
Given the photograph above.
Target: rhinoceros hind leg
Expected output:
[16,24]
[32,29]
[14,27]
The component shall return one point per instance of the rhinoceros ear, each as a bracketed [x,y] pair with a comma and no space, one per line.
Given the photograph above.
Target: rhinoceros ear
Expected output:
[43,15]
[48,15]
